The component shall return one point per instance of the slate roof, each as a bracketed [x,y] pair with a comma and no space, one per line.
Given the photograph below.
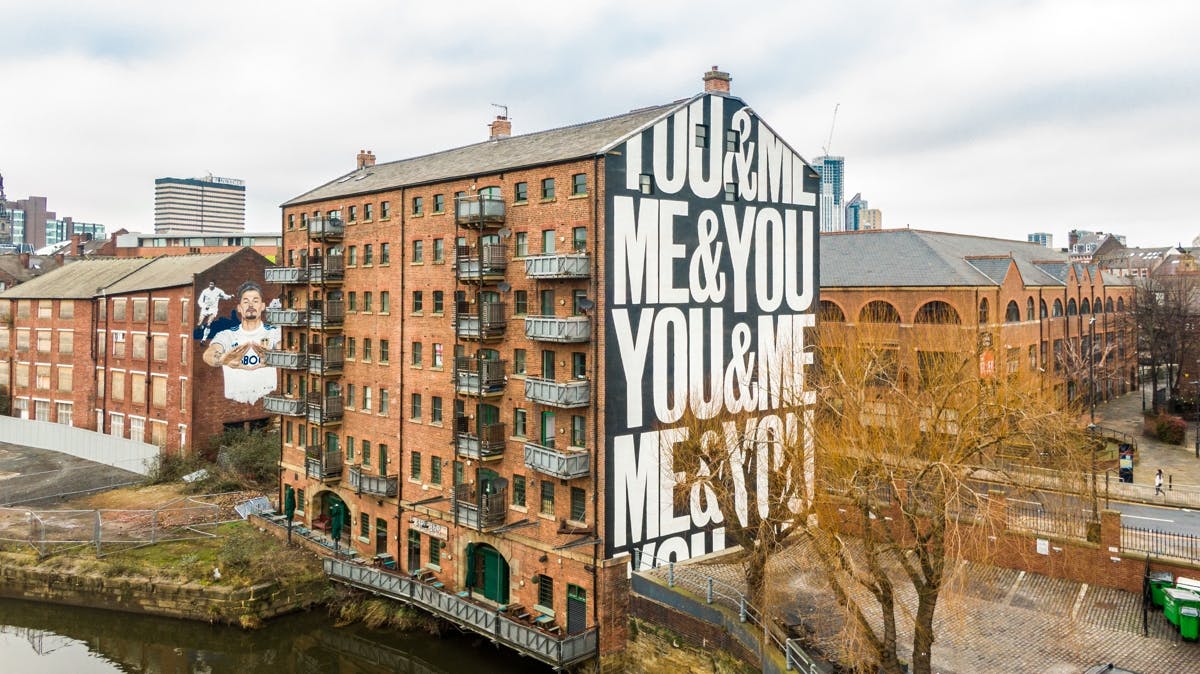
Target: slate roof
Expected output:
[86,278]
[918,258]
[491,156]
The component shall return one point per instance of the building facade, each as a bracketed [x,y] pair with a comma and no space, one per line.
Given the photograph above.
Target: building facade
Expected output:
[477,344]
[200,206]
[832,171]
[141,244]
[1041,238]
[113,346]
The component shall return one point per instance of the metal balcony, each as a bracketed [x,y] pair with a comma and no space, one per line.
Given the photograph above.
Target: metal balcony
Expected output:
[326,314]
[376,485]
[488,264]
[326,229]
[480,511]
[560,652]
[331,268]
[573,393]
[575,265]
[325,409]
[285,316]
[564,330]
[321,463]
[288,360]
[479,210]
[479,377]
[278,404]
[482,320]
[482,443]
[285,275]
[557,463]
[328,360]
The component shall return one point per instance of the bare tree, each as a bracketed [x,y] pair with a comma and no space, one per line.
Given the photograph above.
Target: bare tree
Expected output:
[1167,310]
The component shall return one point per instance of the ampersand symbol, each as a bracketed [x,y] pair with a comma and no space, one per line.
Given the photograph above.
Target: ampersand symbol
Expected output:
[709,285]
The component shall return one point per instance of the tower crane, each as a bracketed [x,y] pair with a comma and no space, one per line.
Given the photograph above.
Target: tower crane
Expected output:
[829,143]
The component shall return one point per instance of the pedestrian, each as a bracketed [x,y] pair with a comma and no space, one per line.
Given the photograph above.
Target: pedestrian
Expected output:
[1158,483]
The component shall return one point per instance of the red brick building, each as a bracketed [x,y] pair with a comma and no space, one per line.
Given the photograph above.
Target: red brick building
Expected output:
[1031,308]
[475,340]
[112,346]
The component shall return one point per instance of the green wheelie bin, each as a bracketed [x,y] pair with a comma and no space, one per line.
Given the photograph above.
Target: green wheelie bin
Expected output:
[1159,581]
[1189,622]
[1175,599]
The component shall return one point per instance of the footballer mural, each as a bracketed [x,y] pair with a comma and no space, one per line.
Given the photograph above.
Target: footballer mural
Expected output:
[238,340]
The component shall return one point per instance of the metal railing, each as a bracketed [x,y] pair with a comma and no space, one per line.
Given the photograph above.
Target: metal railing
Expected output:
[564,329]
[574,265]
[558,463]
[480,321]
[1160,543]
[478,210]
[489,260]
[574,393]
[559,652]
[378,485]
[1037,519]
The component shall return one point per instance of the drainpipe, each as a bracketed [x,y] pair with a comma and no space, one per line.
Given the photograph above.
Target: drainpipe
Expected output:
[400,398]
[146,387]
[104,371]
[596,325]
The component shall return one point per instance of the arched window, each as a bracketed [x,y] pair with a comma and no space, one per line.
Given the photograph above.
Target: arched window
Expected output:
[879,311]
[1085,307]
[828,311]
[1108,306]
[983,310]
[1012,313]
[1072,309]
[936,312]
[1121,304]
[1058,308]
[1097,306]
[1042,310]
[1029,309]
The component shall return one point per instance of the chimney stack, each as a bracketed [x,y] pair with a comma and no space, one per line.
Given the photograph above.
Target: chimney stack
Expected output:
[366,158]
[501,128]
[716,80]
[24,258]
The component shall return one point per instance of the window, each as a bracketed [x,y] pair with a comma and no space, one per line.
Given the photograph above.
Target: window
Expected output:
[547,188]
[701,135]
[46,307]
[439,301]
[160,311]
[23,340]
[545,590]
[140,309]
[366,399]
[731,190]
[159,343]
[351,347]
[43,341]
[645,184]
[137,387]
[435,469]
[547,507]
[366,452]
[577,299]
[41,411]
[42,374]
[518,361]
[66,309]
[418,254]
[579,239]
[349,446]
[518,492]
[437,355]
[291,221]
[579,184]
[521,192]
[383,401]
[66,342]
[383,459]
[118,344]
[66,379]
[353,213]
[435,552]
[352,256]
[385,302]
[731,140]
[417,348]
[439,251]
[349,393]
[118,386]
[352,301]
[418,301]
[23,308]
[367,297]
[65,412]
[435,410]
[21,374]
[385,253]
[384,351]
[520,423]
[158,391]
[579,364]
[522,245]
[139,347]
[416,407]
[368,254]
[439,203]
[578,430]
[414,466]
[118,310]
[520,302]
[578,505]
[364,525]
[418,205]
[367,208]
[548,242]
[385,210]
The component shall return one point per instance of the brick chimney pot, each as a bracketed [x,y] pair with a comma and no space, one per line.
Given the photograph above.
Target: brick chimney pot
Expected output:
[717,80]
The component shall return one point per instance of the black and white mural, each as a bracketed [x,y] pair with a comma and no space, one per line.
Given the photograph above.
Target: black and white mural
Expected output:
[711,257]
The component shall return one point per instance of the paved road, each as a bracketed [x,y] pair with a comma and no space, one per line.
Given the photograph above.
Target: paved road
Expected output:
[29,475]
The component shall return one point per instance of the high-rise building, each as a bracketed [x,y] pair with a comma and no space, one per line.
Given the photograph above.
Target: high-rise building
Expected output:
[1042,238]
[61,229]
[832,171]
[872,218]
[855,209]
[207,205]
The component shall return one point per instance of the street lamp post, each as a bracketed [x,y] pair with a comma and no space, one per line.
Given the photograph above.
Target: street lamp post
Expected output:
[1092,368]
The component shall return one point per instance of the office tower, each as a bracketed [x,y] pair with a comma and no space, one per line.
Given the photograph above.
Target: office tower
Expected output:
[207,205]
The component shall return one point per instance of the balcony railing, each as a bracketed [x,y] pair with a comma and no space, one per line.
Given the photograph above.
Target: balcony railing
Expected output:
[285,275]
[560,652]
[326,313]
[555,462]
[377,485]
[478,510]
[573,393]
[490,262]
[289,360]
[285,316]
[278,404]
[479,210]
[483,320]
[327,268]
[321,463]
[479,377]
[574,265]
[480,443]
[326,228]
[565,330]
[324,409]
[329,359]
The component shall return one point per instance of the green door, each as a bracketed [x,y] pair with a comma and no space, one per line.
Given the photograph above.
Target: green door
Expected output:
[495,574]
[548,429]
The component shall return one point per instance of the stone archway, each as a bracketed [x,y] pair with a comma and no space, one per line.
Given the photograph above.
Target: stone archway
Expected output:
[487,572]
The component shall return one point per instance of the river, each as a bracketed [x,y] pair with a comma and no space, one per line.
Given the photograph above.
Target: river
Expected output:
[51,639]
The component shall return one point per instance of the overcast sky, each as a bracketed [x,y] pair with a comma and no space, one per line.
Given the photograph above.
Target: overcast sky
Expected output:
[996,118]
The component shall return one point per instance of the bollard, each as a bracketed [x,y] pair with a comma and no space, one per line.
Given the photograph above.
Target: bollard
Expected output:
[708,595]
[670,574]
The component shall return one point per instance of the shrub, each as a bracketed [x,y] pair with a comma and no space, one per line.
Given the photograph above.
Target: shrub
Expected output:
[252,456]
[1170,429]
